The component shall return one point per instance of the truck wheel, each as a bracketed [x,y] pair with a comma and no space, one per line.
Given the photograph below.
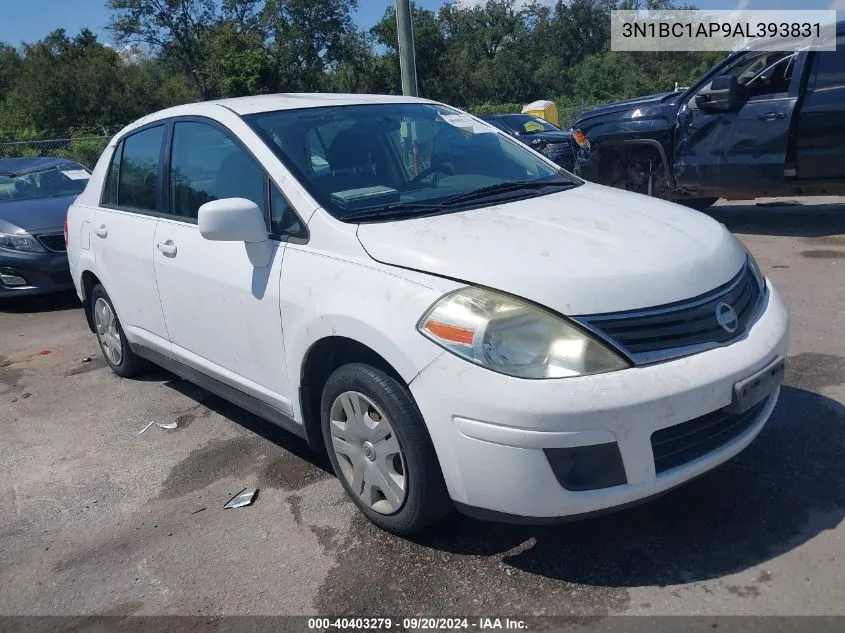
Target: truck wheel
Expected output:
[380,449]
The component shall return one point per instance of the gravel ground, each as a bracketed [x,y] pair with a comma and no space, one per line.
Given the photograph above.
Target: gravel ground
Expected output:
[96,518]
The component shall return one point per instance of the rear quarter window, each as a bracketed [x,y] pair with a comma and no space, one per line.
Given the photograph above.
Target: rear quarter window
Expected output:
[110,191]
[138,178]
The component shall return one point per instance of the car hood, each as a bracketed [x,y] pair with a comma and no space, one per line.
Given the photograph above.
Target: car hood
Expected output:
[618,107]
[32,216]
[588,250]
[549,137]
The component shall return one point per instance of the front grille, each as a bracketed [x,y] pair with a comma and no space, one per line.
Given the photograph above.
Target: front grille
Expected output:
[681,328]
[682,443]
[54,242]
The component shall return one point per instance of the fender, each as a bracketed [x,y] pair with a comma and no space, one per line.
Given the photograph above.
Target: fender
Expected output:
[661,150]
[324,297]
[647,121]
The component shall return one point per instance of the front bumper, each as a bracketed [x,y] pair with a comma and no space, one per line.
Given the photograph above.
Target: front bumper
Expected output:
[587,163]
[561,153]
[490,431]
[44,273]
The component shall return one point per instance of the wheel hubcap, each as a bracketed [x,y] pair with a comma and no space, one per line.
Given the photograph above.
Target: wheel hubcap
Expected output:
[368,452]
[106,325]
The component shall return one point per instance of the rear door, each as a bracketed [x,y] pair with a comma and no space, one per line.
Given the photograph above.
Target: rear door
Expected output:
[820,138]
[743,150]
[222,310]
[123,232]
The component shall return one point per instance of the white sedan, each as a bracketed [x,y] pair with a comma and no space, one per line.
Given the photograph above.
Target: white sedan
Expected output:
[457,321]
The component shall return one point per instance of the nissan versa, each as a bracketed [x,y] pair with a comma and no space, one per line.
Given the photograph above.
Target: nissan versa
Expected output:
[458,321]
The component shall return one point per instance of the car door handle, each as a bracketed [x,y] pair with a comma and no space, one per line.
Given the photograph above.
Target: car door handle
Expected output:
[768,117]
[168,248]
[101,231]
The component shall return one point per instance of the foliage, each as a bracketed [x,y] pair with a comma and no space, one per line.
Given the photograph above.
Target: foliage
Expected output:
[496,108]
[59,84]
[490,57]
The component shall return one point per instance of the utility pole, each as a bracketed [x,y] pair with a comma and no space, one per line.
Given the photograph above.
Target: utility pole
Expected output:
[407,63]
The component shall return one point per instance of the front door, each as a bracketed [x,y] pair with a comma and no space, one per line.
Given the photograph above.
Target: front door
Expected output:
[742,151]
[820,141]
[221,303]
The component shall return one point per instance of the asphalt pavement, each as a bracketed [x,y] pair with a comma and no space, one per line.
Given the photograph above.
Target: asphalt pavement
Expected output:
[97,517]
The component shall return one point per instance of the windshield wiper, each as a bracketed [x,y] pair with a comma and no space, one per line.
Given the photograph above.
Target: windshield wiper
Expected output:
[507,187]
[394,210]
[415,209]
[18,174]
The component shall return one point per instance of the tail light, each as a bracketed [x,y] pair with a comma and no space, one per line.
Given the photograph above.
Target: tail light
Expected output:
[65,231]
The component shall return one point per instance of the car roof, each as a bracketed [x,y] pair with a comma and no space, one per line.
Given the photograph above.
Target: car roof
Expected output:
[268,103]
[26,165]
[290,101]
[271,103]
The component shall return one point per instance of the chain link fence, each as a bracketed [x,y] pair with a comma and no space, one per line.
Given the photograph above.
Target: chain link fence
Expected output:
[85,150]
[566,113]
[85,146]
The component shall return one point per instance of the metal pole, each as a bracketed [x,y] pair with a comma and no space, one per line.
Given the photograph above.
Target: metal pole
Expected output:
[407,64]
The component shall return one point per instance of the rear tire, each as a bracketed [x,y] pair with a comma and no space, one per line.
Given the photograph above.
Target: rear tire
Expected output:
[380,449]
[113,344]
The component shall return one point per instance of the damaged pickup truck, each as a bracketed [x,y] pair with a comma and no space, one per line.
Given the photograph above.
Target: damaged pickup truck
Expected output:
[757,124]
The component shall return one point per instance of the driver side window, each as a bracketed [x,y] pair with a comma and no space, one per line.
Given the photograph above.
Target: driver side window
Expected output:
[769,75]
[763,75]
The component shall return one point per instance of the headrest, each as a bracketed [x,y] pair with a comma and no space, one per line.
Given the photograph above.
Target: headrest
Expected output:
[348,150]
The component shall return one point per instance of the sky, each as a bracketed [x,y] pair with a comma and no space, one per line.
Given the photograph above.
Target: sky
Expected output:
[30,20]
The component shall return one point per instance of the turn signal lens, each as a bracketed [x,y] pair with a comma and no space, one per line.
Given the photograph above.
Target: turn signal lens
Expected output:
[451,333]
[579,137]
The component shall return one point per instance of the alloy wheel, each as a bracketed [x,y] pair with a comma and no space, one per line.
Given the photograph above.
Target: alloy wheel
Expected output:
[106,326]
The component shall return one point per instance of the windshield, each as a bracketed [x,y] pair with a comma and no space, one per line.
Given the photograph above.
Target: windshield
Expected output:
[527,124]
[53,182]
[363,159]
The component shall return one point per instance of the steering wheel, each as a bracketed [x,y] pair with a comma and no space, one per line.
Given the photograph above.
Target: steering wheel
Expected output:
[440,167]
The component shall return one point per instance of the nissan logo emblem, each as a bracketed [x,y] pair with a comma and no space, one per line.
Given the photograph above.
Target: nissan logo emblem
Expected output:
[726,317]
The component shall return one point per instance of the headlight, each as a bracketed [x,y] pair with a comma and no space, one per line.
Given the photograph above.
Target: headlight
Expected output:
[755,270]
[20,242]
[513,337]
[752,264]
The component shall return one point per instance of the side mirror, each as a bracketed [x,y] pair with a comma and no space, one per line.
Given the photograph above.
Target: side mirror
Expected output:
[232,220]
[723,95]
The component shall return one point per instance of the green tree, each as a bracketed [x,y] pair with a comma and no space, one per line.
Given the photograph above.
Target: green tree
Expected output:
[307,40]
[430,46]
[176,30]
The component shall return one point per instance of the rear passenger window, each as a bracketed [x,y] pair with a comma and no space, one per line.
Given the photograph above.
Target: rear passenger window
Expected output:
[205,165]
[828,68]
[110,194]
[139,169]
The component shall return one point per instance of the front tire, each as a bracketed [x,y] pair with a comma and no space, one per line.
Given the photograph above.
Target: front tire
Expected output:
[380,449]
[113,344]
